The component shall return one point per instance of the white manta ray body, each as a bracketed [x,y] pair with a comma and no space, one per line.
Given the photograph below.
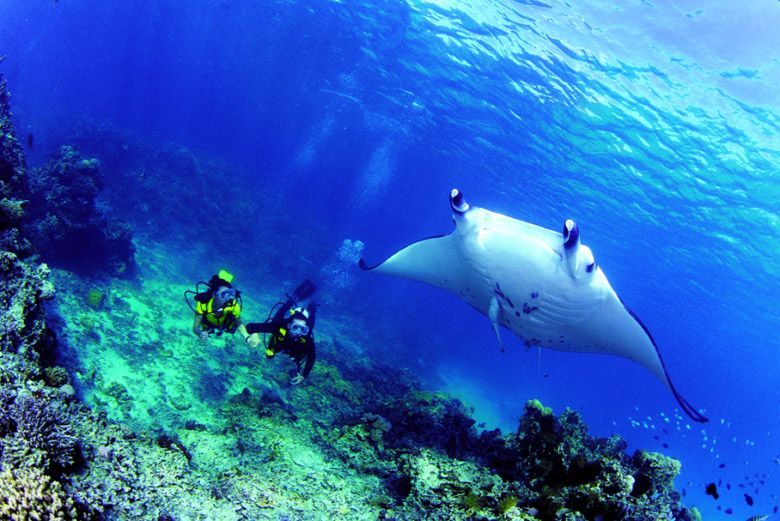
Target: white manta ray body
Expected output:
[543,285]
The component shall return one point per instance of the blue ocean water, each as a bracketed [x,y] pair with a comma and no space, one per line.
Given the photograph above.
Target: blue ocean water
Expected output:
[655,126]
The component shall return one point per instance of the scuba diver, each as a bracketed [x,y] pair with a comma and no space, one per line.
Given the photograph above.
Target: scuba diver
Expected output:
[291,330]
[217,307]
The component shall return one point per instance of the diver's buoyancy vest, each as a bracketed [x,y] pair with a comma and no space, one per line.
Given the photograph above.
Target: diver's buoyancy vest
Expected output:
[279,338]
[227,321]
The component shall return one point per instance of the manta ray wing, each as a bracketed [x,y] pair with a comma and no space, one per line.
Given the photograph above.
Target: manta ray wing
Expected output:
[542,285]
[435,261]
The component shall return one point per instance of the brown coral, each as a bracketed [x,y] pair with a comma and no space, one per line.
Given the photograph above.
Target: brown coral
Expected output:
[30,494]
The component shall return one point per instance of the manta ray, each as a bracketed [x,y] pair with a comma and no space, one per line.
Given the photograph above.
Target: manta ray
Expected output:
[542,285]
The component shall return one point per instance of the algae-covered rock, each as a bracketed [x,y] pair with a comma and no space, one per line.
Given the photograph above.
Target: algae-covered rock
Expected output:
[11,211]
[95,299]
[446,488]
[56,376]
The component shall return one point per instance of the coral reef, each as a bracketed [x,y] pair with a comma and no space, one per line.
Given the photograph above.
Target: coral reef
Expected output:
[22,290]
[30,494]
[36,434]
[12,171]
[65,224]
[570,473]
[35,441]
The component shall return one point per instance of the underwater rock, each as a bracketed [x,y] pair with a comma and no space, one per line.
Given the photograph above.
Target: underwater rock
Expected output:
[65,224]
[67,392]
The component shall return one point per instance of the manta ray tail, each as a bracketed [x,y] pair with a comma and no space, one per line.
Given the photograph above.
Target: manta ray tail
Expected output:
[687,408]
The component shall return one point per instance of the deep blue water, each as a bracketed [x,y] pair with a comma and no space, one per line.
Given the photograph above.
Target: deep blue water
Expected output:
[655,126]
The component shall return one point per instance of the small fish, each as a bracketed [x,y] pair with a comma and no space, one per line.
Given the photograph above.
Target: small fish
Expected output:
[757,518]
[749,500]
[712,490]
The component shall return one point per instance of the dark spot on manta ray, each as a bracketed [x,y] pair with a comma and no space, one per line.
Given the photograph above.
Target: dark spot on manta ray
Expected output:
[528,309]
[665,445]
[722,465]
[712,490]
[510,303]
[535,294]
[749,500]
[729,511]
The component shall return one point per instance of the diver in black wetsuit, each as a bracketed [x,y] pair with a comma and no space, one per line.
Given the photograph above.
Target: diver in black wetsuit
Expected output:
[291,330]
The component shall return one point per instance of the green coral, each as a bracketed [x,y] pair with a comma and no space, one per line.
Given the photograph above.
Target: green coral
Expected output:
[506,504]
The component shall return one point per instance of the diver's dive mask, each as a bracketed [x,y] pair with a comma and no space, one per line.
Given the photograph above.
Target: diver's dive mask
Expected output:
[225,297]
[298,330]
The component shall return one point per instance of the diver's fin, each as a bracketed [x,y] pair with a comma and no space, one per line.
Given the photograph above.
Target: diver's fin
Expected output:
[304,290]
[494,313]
